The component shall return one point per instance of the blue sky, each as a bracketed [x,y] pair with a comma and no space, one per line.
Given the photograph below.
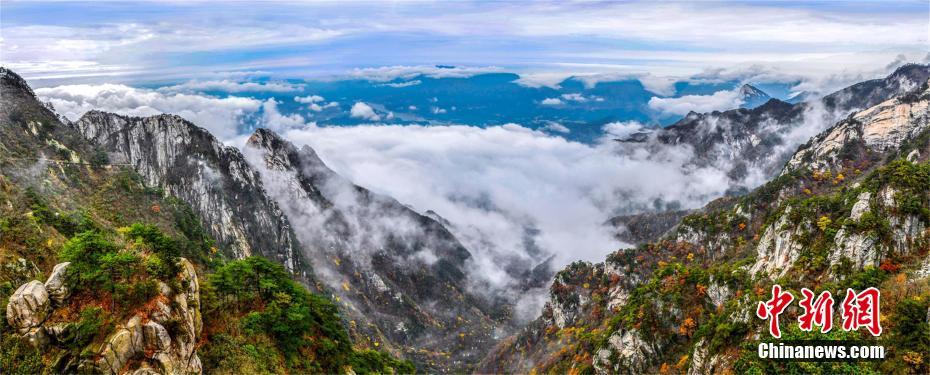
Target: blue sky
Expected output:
[131,42]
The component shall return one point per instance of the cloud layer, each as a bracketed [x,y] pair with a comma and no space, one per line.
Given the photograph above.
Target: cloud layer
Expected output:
[155,40]
[718,101]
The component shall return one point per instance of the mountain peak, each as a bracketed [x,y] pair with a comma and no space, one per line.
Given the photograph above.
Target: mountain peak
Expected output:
[752,96]
[11,79]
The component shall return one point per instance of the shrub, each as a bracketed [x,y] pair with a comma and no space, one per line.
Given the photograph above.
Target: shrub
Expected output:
[163,247]
[85,251]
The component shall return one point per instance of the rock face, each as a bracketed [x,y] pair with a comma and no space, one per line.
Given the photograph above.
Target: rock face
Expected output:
[880,128]
[189,163]
[55,285]
[28,307]
[779,247]
[141,344]
[393,269]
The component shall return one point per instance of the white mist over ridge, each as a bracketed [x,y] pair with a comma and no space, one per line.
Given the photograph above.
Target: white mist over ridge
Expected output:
[503,186]
[510,194]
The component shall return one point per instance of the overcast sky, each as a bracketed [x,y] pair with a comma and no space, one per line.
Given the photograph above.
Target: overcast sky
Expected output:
[122,42]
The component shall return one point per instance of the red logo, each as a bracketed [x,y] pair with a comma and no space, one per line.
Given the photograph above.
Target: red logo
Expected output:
[816,312]
[773,308]
[859,310]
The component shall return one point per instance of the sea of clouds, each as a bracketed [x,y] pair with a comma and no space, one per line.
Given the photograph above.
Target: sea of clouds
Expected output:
[508,192]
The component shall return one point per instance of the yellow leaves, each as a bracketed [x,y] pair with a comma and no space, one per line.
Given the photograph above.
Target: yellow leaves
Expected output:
[690,257]
[336,261]
[913,358]
[839,178]
[345,286]
[586,285]
[824,222]
[683,362]
[807,191]
[214,250]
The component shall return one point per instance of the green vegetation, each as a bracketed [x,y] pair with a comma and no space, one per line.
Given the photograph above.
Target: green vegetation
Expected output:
[271,322]
[18,357]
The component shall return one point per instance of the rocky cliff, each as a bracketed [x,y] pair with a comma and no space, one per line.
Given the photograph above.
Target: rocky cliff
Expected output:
[140,345]
[187,162]
[399,275]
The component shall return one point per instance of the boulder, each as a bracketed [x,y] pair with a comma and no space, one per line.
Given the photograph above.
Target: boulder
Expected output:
[155,337]
[28,306]
[55,285]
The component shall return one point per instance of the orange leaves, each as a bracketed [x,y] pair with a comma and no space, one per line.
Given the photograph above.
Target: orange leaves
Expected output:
[155,208]
[665,369]
[687,327]
[701,290]
[889,266]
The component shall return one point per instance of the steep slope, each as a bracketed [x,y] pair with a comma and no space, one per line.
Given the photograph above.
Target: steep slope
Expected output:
[832,220]
[752,145]
[762,138]
[189,163]
[400,275]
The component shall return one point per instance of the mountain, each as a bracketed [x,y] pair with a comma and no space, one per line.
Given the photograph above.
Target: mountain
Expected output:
[400,276]
[100,273]
[849,210]
[393,280]
[188,163]
[760,140]
[752,97]
[394,272]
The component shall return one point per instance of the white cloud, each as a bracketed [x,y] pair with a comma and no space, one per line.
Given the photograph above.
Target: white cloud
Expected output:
[275,120]
[438,110]
[232,86]
[551,101]
[622,130]
[580,98]
[315,103]
[309,99]
[664,86]
[390,73]
[221,116]
[557,127]
[720,100]
[364,111]
[403,84]
[494,183]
